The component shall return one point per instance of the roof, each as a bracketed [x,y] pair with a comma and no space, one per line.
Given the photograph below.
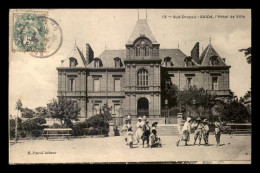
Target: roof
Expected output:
[77,54]
[141,27]
[207,54]
[107,57]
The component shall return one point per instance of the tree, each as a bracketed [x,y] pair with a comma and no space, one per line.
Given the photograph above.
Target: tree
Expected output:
[247,54]
[170,92]
[27,113]
[233,110]
[42,112]
[64,110]
[197,100]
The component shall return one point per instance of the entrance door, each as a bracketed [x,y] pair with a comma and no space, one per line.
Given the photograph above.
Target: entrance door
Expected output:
[143,107]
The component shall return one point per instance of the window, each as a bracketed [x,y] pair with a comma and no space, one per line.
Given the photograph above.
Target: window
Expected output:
[189,82]
[117,84]
[137,50]
[96,63]
[73,62]
[72,85]
[142,78]
[96,109]
[116,109]
[214,62]
[146,51]
[117,62]
[214,83]
[96,85]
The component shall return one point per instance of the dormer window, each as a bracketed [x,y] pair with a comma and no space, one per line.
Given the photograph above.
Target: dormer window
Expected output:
[213,60]
[97,62]
[117,62]
[73,62]
[188,62]
[168,62]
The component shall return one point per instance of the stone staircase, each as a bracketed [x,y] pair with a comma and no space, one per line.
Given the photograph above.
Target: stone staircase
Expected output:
[162,128]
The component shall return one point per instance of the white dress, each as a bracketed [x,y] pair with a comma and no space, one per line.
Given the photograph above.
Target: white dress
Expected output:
[139,131]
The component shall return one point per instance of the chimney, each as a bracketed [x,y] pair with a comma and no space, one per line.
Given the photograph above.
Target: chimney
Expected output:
[89,54]
[195,52]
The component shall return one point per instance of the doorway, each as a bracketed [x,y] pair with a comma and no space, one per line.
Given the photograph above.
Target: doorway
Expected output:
[143,107]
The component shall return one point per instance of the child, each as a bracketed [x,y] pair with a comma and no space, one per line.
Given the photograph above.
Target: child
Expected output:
[205,132]
[125,129]
[155,140]
[130,138]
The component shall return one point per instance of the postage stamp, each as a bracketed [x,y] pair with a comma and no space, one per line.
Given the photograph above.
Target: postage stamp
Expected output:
[28,31]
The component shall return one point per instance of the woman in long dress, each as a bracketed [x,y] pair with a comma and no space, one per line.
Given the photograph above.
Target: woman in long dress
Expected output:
[185,132]
[139,131]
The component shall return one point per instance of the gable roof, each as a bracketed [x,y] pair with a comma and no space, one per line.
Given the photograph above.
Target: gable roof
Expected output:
[207,54]
[78,55]
[141,27]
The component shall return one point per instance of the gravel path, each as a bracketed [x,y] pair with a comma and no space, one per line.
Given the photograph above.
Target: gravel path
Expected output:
[113,149]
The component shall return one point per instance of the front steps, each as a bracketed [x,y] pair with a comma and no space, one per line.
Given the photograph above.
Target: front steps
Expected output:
[162,129]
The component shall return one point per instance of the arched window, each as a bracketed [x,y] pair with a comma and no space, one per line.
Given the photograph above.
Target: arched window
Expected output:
[142,78]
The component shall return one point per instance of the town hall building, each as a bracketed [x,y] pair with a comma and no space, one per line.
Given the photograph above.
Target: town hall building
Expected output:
[130,80]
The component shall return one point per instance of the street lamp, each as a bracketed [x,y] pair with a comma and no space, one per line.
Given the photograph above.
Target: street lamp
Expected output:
[166,103]
[18,107]
[194,102]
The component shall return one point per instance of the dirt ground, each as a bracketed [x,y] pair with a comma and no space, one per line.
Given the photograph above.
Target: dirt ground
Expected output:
[233,149]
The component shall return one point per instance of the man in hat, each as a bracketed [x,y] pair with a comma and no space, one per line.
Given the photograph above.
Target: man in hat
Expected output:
[205,131]
[139,131]
[185,132]
[198,132]
[146,132]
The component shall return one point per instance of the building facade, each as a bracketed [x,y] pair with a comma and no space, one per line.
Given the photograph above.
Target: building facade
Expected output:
[130,80]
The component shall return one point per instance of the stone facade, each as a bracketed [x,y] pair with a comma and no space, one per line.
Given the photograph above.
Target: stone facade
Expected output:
[129,81]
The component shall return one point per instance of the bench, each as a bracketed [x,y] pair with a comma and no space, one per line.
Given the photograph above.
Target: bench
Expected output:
[47,132]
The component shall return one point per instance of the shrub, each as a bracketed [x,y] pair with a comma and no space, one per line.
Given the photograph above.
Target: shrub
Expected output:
[95,125]
[33,126]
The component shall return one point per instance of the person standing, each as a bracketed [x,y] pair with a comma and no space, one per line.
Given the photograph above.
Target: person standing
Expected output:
[185,132]
[126,126]
[205,132]
[217,132]
[146,132]
[198,131]
[139,131]
[129,118]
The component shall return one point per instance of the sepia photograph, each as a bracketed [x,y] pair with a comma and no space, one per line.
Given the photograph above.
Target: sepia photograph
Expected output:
[129,86]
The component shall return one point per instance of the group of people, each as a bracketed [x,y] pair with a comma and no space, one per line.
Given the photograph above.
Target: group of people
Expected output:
[144,132]
[201,130]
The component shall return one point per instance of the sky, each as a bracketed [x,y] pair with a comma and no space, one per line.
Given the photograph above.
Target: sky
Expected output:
[35,80]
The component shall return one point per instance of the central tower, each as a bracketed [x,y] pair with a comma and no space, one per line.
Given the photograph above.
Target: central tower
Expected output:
[143,72]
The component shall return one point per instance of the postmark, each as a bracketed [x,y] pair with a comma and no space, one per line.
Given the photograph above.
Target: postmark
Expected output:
[53,38]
